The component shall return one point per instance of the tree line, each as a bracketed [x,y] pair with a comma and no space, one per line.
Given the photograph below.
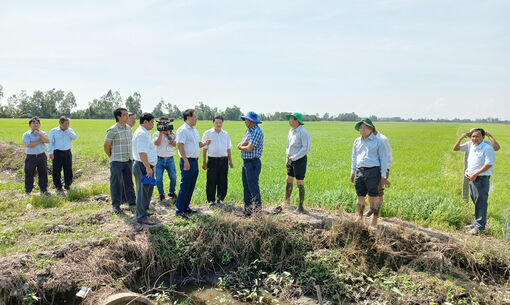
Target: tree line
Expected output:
[55,103]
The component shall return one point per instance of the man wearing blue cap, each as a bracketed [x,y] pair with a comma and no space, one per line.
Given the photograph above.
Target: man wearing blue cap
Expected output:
[298,145]
[251,150]
[368,168]
[144,153]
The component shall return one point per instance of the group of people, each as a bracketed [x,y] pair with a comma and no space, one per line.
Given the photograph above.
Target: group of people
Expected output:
[146,156]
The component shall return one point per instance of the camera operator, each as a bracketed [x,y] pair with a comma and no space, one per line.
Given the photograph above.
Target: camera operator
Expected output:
[164,139]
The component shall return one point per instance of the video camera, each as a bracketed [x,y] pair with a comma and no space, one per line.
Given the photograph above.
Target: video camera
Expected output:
[164,125]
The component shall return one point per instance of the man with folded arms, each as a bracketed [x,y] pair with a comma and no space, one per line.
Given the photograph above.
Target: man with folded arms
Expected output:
[480,164]
[144,153]
[251,150]
[61,142]
[188,144]
[298,146]
[368,168]
[216,159]
[34,141]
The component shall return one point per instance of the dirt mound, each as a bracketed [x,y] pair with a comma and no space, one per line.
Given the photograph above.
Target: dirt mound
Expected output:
[12,156]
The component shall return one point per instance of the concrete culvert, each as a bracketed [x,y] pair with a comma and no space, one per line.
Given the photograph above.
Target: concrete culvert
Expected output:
[126,298]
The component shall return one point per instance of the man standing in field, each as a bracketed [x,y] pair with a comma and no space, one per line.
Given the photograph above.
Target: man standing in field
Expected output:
[61,141]
[480,164]
[251,150]
[368,168]
[188,144]
[117,146]
[298,146]
[131,120]
[216,159]
[34,141]
[145,156]
[390,161]
[165,147]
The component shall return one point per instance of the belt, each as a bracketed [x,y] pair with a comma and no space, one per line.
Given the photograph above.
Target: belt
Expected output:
[218,157]
[62,150]
[165,158]
[35,155]
[194,159]
[367,168]
[249,160]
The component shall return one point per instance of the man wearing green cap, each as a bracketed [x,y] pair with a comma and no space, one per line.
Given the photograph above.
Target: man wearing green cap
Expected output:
[298,145]
[368,168]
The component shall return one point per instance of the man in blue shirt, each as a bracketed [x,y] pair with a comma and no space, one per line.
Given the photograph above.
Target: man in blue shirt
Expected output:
[251,150]
[480,163]
[368,168]
[34,140]
[61,142]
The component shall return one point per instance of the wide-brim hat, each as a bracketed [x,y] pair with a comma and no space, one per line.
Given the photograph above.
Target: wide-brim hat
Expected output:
[367,122]
[298,116]
[252,116]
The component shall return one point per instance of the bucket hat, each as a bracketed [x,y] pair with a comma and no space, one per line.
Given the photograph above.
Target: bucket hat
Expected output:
[298,116]
[252,116]
[367,122]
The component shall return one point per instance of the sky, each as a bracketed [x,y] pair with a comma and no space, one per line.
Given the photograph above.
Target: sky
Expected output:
[413,59]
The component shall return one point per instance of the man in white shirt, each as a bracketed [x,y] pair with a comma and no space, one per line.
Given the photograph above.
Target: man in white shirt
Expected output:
[145,156]
[188,144]
[390,161]
[216,160]
[165,143]
[480,164]
[298,146]
[131,119]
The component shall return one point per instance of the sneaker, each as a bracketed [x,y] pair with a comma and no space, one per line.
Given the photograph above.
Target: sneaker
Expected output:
[469,226]
[181,215]
[117,210]
[212,204]
[190,211]
[67,187]
[61,192]
[473,231]
[219,201]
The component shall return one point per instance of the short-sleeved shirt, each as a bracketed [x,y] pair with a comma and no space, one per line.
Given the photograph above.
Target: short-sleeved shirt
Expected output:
[478,156]
[61,139]
[298,143]
[142,143]
[369,152]
[255,137]
[189,136]
[388,148]
[121,138]
[164,149]
[220,143]
[30,137]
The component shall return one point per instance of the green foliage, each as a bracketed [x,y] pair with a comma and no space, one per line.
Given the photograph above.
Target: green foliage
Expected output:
[77,194]
[46,201]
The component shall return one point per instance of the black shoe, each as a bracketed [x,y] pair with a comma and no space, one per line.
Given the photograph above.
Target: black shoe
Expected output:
[117,210]
[161,197]
[190,211]
[181,215]
[172,195]
[67,187]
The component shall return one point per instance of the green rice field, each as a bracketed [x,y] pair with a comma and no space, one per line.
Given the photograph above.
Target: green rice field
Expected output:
[426,175]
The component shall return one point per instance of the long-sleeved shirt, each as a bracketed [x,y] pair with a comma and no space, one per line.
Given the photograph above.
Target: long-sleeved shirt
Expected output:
[29,137]
[388,148]
[369,152]
[61,139]
[255,137]
[298,143]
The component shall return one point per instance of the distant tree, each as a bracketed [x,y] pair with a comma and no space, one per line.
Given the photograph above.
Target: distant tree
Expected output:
[173,111]
[204,112]
[373,118]
[67,104]
[49,102]
[232,113]
[1,92]
[348,117]
[158,109]
[133,103]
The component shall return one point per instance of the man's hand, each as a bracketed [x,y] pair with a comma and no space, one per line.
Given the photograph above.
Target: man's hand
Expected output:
[36,132]
[186,165]
[464,135]
[149,171]
[352,178]
[385,182]
[290,158]
[173,143]
[204,165]
[470,177]
[231,164]
[52,156]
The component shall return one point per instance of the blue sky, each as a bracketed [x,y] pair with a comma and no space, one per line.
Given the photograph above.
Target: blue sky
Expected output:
[389,58]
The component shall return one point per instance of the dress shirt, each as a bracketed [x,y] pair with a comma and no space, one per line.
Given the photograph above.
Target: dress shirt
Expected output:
[480,155]
[220,143]
[120,137]
[164,149]
[142,143]
[298,143]
[29,137]
[388,148]
[255,137]
[60,139]
[369,153]
[189,136]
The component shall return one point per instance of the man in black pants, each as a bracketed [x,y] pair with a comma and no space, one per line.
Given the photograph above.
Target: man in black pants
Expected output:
[34,140]
[61,141]
[218,161]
